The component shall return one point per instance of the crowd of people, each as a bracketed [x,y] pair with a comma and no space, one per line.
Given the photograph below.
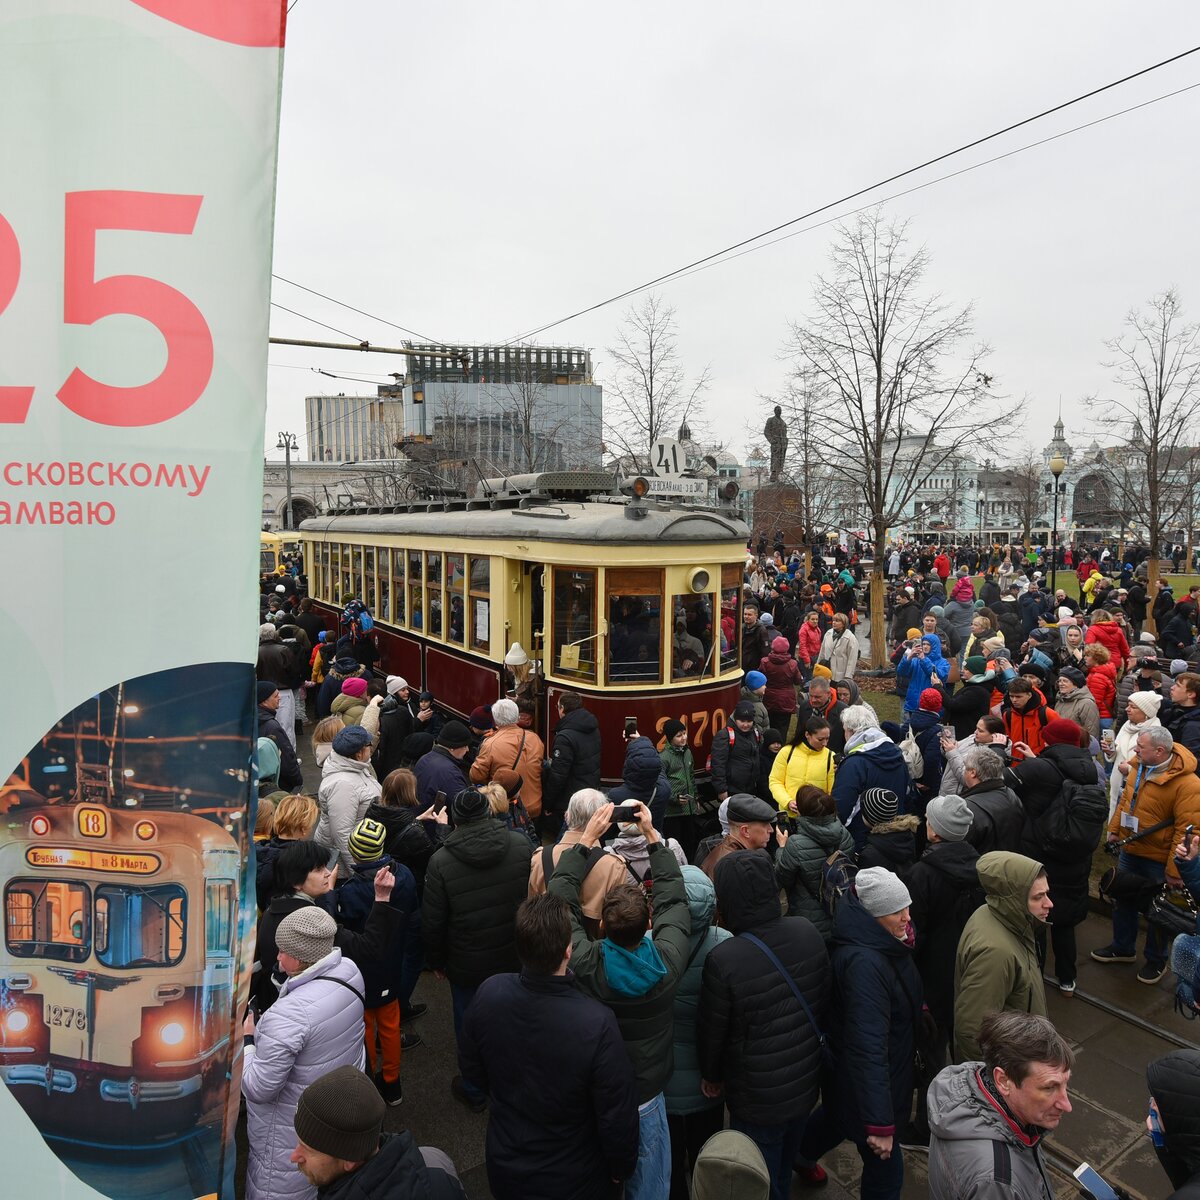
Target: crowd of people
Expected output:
[854,952]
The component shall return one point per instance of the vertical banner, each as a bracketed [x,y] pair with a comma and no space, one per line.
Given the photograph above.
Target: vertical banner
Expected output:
[137,171]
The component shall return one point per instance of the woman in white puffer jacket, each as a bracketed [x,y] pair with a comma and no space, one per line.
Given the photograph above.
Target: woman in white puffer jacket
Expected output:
[315,1026]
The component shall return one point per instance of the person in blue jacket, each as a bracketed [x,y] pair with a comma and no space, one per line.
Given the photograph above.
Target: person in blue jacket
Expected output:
[919,666]
[872,760]
[877,996]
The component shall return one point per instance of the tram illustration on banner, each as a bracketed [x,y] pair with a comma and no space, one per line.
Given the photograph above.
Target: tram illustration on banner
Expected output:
[128,928]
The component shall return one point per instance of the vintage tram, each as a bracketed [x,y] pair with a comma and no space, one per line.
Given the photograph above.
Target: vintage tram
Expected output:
[635,604]
[118,971]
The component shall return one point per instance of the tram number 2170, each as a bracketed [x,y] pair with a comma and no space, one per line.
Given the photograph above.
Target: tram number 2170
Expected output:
[700,723]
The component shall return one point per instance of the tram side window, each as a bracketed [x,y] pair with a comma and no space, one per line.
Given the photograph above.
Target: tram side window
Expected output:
[218,917]
[634,626]
[398,594]
[140,926]
[731,617]
[416,591]
[433,594]
[692,636]
[383,599]
[47,920]
[575,624]
[479,603]
[369,593]
[456,567]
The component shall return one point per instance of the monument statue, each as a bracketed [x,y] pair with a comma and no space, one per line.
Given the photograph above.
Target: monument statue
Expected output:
[775,431]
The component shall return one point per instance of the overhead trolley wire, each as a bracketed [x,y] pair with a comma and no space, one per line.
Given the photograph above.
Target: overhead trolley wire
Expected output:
[739,245]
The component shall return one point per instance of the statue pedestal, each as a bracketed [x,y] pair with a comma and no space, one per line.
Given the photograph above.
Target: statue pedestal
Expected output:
[778,506]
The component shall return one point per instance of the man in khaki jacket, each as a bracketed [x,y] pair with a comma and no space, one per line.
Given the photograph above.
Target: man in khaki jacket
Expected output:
[516,749]
[1160,786]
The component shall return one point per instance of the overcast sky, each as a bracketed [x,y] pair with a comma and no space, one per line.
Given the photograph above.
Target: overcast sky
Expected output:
[473,170]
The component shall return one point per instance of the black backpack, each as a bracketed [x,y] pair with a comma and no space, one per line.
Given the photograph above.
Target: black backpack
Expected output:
[1070,827]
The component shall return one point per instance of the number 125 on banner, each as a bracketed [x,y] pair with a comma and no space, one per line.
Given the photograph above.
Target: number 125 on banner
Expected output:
[87,300]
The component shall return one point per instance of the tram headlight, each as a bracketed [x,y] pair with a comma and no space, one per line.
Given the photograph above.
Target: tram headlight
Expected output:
[699,580]
[17,1021]
[171,1033]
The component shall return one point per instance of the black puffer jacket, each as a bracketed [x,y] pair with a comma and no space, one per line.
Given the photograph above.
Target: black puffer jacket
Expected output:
[735,760]
[409,841]
[397,1171]
[752,1034]
[1038,782]
[1174,1082]
[394,728]
[574,760]
[877,999]
[945,891]
[892,845]
[997,817]
[474,885]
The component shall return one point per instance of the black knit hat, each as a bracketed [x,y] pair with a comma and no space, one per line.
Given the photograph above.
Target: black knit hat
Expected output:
[469,805]
[454,736]
[341,1115]
[671,728]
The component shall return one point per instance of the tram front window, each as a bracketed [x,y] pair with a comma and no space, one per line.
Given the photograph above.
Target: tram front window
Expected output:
[633,639]
[140,926]
[574,623]
[47,919]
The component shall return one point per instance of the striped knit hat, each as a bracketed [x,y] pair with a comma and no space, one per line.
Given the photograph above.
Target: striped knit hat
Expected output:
[879,806]
[367,840]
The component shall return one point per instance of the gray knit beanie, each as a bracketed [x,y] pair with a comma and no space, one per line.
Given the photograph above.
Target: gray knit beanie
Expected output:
[949,817]
[307,935]
[880,892]
[341,1115]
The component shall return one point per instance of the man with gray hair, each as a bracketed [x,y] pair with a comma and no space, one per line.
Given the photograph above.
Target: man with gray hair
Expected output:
[1160,800]
[987,1119]
[603,871]
[514,749]
[997,815]
[872,760]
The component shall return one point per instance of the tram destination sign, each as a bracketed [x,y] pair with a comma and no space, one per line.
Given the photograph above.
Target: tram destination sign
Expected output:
[677,486]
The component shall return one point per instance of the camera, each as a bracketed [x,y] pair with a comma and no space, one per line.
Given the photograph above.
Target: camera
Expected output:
[389,704]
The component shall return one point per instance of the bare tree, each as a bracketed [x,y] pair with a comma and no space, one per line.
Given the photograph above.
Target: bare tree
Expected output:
[1156,363]
[649,393]
[1025,491]
[898,387]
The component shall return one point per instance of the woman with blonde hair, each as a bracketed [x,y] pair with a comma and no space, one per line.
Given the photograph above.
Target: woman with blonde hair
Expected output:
[294,820]
[322,737]
[263,819]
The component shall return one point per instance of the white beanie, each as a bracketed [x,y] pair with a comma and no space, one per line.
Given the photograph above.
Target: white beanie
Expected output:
[1148,702]
[396,683]
[880,891]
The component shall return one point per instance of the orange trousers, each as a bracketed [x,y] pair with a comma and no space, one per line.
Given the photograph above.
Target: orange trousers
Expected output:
[384,1023]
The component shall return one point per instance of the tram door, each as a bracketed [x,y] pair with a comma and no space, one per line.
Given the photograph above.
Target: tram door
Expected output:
[535,635]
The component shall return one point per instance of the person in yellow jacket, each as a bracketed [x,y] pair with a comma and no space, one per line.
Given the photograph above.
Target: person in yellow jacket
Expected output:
[807,759]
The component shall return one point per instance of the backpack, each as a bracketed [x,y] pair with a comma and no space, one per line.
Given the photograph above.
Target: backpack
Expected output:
[1070,826]
[914,760]
[520,821]
[645,882]
[837,878]
[729,729]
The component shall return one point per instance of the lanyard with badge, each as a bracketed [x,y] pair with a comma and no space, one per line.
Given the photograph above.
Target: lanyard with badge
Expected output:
[1128,819]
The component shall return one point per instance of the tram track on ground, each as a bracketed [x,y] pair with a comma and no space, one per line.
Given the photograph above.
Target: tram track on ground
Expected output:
[1129,1018]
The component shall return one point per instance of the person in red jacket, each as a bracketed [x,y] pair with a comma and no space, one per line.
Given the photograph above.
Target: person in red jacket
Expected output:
[1107,633]
[783,676]
[808,644]
[941,565]
[1101,681]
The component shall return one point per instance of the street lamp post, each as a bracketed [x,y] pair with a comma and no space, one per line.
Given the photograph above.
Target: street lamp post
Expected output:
[287,443]
[1057,465]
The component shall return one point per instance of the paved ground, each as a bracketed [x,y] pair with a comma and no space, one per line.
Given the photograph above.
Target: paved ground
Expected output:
[1108,1089]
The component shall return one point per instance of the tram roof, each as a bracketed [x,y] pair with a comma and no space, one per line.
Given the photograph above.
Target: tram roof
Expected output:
[606,521]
